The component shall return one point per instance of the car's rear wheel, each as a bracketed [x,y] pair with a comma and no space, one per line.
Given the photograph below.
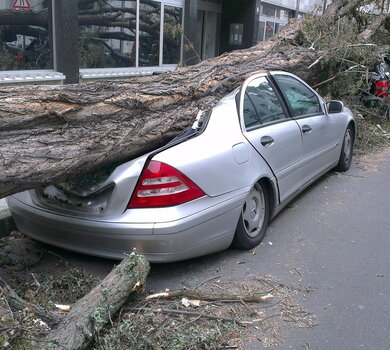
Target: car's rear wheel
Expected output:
[346,151]
[254,218]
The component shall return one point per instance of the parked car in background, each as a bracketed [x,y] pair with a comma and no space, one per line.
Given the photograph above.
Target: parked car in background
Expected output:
[35,55]
[216,185]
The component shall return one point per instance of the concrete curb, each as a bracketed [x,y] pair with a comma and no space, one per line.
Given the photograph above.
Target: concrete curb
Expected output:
[7,224]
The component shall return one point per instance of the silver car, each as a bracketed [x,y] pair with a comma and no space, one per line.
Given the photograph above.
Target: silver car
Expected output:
[216,185]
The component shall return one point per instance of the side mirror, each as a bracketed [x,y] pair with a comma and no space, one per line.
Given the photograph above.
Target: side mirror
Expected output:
[334,106]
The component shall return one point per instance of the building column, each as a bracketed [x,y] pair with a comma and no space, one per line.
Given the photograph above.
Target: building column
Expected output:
[64,32]
[257,23]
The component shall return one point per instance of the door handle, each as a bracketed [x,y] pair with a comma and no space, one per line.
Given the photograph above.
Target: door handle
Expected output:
[267,141]
[306,129]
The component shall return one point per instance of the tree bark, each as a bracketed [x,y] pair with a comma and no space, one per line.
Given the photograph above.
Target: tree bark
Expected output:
[51,134]
[92,312]
[368,33]
[16,303]
[54,133]
[341,8]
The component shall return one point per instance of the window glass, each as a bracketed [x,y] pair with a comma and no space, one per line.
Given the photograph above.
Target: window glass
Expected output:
[260,36]
[302,100]
[195,47]
[24,46]
[269,30]
[269,11]
[149,35]
[285,14]
[172,34]
[261,105]
[211,31]
[107,34]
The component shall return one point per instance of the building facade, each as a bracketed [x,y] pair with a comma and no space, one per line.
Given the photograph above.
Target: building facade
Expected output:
[274,15]
[69,40]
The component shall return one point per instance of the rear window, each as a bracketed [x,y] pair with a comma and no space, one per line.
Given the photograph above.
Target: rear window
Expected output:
[261,104]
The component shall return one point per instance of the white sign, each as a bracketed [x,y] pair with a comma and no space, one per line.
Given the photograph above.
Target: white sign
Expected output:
[21,4]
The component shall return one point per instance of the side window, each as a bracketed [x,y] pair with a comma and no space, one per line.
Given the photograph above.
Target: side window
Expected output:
[302,100]
[261,105]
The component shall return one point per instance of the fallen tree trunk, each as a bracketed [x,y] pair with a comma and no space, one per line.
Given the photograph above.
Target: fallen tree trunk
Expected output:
[50,134]
[372,28]
[88,316]
[53,134]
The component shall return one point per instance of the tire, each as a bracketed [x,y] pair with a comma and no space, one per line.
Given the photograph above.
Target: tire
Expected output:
[346,151]
[254,218]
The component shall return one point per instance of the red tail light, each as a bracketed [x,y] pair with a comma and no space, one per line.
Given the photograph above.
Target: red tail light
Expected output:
[161,185]
[382,88]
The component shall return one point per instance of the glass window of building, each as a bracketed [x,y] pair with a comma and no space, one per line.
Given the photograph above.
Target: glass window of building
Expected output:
[206,37]
[285,14]
[269,30]
[211,35]
[269,11]
[260,36]
[149,33]
[107,34]
[173,17]
[195,47]
[25,47]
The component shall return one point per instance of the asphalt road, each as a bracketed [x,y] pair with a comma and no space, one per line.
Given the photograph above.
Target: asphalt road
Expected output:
[334,239]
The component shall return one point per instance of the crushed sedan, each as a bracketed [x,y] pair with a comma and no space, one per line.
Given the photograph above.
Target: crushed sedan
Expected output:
[217,185]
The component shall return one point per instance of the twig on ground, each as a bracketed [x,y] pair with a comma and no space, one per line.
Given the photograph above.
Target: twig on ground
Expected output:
[15,302]
[318,59]
[186,313]
[254,298]
[202,315]
[208,280]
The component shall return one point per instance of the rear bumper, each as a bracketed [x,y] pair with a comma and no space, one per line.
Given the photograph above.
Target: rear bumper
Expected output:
[202,233]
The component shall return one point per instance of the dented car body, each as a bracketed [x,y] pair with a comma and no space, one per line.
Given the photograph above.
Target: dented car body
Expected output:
[216,185]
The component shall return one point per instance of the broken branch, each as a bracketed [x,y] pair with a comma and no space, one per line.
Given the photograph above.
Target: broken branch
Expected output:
[254,298]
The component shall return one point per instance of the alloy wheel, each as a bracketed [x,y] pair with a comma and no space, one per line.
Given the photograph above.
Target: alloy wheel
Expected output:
[253,212]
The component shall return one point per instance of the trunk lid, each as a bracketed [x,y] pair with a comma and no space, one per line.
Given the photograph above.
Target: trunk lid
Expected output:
[99,194]
[106,192]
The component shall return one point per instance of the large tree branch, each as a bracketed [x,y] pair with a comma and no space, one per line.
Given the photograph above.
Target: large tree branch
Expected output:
[341,8]
[8,33]
[368,33]
[9,17]
[88,316]
[54,133]
[17,303]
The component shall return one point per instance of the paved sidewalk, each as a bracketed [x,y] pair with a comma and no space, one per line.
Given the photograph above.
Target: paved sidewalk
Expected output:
[3,204]
[6,222]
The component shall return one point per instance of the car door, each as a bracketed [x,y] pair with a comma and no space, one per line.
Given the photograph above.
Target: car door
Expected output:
[319,142]
[275,136]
